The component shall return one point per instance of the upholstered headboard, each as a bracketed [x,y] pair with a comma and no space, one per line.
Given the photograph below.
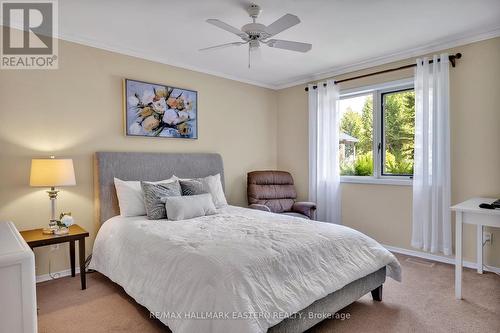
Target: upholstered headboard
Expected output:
[146,166]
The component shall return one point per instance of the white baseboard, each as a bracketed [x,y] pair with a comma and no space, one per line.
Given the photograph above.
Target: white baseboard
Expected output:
[418,254]
[56,275]
[439,258]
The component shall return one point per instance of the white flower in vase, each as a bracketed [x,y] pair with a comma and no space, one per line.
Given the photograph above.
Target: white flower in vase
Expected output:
[63,224]
[67,220]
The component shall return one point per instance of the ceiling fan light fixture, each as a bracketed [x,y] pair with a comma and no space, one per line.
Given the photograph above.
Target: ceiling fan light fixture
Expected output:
[254,44]
[255,33]
[254,52]
[255,30]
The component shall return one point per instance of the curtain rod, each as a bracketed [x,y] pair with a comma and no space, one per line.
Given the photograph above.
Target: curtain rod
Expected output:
[452,58]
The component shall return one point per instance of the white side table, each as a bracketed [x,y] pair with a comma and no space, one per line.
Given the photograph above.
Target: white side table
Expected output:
[469,212]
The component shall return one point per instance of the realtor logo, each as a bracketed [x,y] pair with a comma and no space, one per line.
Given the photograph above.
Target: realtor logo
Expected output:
[28,33]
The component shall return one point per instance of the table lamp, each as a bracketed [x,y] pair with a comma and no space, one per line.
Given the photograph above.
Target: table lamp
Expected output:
[52,172]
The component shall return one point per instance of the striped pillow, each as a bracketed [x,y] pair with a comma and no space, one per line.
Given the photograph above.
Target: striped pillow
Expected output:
[192,187]
[155,196]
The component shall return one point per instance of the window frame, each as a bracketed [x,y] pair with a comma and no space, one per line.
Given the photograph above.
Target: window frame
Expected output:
[377,92]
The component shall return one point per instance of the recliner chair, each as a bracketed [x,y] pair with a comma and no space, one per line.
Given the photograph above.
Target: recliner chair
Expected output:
[273,191]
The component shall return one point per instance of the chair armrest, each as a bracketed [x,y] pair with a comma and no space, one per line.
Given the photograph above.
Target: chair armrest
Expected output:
[260,207]
[306,208]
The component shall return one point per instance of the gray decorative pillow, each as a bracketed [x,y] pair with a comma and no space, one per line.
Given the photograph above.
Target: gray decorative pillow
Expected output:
[155,196]
[190,206]
[209,184]
[192,187]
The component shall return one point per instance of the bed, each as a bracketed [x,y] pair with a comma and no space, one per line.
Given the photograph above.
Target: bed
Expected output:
[240,270]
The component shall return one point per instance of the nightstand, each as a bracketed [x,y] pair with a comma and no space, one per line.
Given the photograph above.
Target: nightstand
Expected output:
[36,238]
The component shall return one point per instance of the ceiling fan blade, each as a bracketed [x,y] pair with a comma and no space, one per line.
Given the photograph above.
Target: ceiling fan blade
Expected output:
[283,23]
[227,27]
[289,45]
[221,46]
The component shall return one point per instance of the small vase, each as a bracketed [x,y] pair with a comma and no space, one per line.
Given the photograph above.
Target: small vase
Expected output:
[61,231]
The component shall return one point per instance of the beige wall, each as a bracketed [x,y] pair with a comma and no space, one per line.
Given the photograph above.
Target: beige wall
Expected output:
[77,110]
[384,211]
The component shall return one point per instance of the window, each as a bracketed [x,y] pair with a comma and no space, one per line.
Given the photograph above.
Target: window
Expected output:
[377,128]
[356,136]
[398,131]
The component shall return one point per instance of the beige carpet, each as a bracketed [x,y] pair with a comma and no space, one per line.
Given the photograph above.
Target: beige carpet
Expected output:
[424,302]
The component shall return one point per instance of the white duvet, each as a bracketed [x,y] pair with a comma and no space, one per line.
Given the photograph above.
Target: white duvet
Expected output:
[240,270]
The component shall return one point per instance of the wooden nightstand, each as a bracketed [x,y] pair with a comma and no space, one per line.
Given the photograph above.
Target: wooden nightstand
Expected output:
[36,238]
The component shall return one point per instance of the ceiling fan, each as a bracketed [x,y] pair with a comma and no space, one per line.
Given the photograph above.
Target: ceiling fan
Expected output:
[255,33]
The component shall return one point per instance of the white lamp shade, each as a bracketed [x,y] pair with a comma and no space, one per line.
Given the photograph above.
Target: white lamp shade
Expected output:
[52,172]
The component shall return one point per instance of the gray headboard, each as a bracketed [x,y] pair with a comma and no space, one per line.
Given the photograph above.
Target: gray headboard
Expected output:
[146,166]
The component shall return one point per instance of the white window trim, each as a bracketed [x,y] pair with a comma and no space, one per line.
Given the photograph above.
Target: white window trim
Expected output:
[380,181]
[377,91]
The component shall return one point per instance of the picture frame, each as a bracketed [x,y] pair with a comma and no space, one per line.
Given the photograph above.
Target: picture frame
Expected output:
[159,110]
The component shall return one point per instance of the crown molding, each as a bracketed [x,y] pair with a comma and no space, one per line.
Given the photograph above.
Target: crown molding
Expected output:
[146,56]
[442,44]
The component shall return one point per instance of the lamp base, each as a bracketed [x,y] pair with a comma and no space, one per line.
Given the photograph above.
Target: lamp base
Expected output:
[53,199]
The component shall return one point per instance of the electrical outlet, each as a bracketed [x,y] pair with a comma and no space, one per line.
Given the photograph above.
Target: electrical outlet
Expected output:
[487,237]
[54,247]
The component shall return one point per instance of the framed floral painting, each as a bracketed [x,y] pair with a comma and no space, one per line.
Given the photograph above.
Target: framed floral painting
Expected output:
[160,111]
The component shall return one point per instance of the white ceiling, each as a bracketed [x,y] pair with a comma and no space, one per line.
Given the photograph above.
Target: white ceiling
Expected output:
[342,32]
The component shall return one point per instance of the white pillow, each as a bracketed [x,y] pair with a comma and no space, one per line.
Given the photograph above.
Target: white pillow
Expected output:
[213,185]
[189,206]
[130,198]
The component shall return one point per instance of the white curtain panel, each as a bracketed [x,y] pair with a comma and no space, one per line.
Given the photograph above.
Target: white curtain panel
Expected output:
[324,170]
[431,229]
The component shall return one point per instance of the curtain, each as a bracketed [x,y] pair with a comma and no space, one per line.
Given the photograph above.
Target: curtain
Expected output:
[431,228]
[324,169]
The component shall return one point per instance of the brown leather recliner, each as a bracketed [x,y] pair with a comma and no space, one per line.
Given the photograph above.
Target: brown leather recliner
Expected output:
[273,191]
